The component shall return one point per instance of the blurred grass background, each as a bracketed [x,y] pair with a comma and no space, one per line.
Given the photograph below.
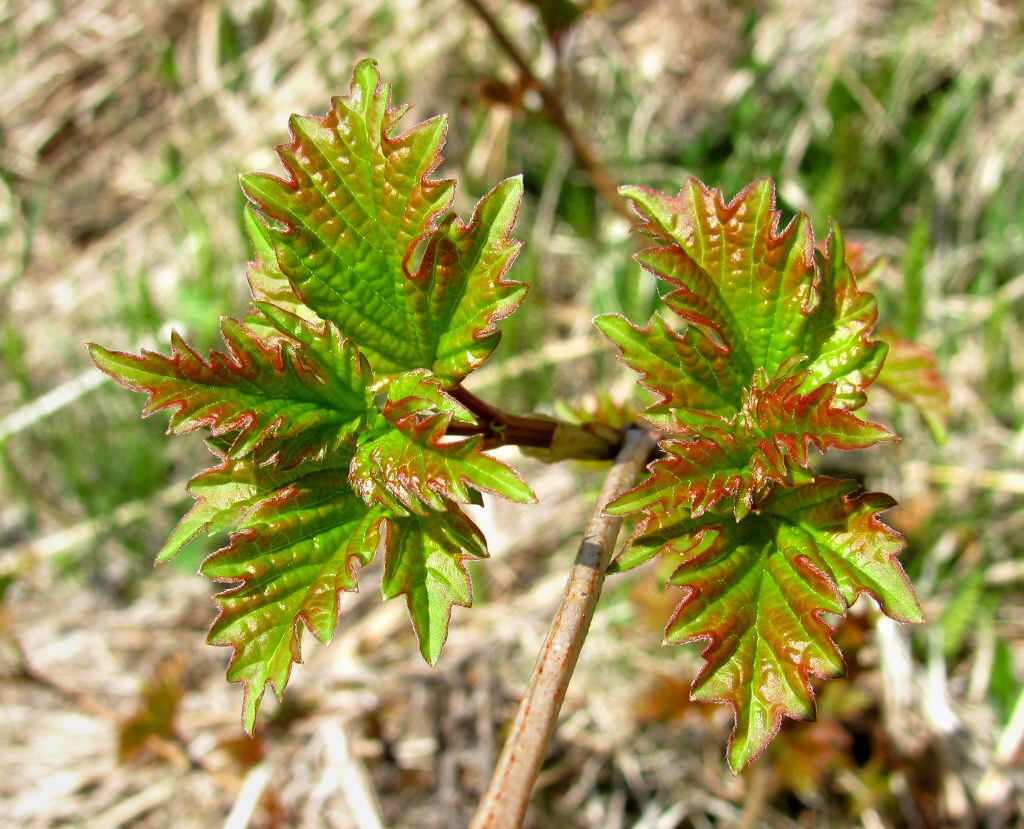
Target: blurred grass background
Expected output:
[123,128]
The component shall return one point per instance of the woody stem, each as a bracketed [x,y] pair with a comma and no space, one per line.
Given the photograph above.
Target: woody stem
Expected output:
[563,440]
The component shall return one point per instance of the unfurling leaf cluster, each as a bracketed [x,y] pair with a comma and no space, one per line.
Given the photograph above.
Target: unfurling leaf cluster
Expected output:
[330,408]
[341,427]
[767,352]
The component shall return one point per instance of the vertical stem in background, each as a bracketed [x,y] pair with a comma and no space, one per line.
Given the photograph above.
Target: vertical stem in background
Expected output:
[504,803]
[555,111]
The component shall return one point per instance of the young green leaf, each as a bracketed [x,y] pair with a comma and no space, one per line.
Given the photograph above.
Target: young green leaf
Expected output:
[292,555]
[406,464]
[910,375]
[756,590]
[275,402]
[696,475]
[756,304]
[269,285]
[750,297]
[689,373]
[361,283]
[734,277]
[347,224]
[768,353]
[425,562]
[760,445]
[226,492]
[458,294]
[783,421]
[839,342]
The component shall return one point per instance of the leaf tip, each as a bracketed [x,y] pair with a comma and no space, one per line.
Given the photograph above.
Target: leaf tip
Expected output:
[738,759]
[100,356]
[608,324]
[430,651]
[170,550]
[915,613]
[747,746]
[251,701]
[366,78]
[248,181]
[514,184]
[119,366]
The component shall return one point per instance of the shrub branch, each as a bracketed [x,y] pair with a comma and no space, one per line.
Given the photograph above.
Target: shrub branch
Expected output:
[504,804]
[556,114]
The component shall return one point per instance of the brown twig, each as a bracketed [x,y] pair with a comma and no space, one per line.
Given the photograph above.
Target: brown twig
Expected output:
[558,439]
[504,803]
[555,111]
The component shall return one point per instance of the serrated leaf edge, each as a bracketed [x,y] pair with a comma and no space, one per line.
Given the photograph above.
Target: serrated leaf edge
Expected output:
[392,115]
[461,229]
[851,498]
[805,671]
[251,698]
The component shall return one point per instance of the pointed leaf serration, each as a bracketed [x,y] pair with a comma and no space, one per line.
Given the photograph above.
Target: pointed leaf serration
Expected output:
[425,561]
[268,284]
[226,492]
[362,282]
[292,555]
[755,304]
[740,458]
[357,209]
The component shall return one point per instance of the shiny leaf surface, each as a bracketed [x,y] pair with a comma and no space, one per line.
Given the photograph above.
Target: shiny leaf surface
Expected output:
[756,589]
[358,235]
[762,444]
[746,297]
[291,555]
[327,410]
[766,352]
[406,463]
[425,562]
[224,494]
[277,402]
